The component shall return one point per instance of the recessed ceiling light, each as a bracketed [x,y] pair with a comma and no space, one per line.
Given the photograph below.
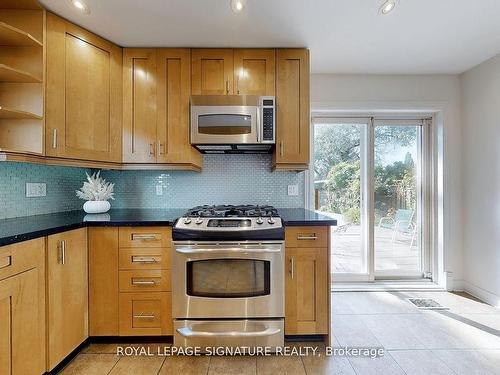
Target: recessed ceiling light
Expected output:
[387,6]
[80,5]
[238,5]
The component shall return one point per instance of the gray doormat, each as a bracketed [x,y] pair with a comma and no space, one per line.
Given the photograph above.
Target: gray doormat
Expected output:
[427,304]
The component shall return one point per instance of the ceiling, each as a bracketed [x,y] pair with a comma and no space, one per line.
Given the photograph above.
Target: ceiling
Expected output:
[344,36]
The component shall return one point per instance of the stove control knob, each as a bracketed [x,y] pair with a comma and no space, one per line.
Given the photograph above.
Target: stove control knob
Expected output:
[199,221]
[187,220]
[271,221]
[259,220]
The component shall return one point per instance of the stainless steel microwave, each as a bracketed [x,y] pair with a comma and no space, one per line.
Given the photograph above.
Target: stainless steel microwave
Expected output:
[233,123]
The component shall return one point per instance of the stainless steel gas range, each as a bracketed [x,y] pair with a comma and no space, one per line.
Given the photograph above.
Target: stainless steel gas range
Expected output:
[228,285]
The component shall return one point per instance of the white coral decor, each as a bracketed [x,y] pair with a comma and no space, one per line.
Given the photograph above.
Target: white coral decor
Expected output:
[96,191]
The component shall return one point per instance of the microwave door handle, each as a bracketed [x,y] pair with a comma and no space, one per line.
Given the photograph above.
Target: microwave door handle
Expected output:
[258,124]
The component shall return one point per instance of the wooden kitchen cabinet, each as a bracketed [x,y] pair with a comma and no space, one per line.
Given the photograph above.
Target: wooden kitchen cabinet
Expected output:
[22,308]
[139,105]
[254,72]
[67,291]
[103,281]
[156,93]
[292,107]
[173,95]
[212,71]
[306,282]
[83,100]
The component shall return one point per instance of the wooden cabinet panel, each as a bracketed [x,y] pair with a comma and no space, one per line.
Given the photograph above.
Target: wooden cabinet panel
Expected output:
[83,109]
[292,96]
[144,259]
[67,293]
[307,236]
[212,71]
[145,281]
[19,257]
[139,105]
[103,281]
[254,71]
[147,313]
[22,312]
[306,291]
[145,236]
[173,92]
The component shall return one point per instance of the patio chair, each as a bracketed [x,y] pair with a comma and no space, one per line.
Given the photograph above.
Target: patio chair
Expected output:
[402,222]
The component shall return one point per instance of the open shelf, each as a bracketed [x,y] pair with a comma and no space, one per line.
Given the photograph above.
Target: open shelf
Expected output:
[10,74]
[12,36]
[9,113]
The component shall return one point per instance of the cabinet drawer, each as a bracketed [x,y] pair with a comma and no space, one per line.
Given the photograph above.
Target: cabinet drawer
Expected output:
[145,313]
[306,236]
[153,258]
[145,281]
[21,257]
[145,237]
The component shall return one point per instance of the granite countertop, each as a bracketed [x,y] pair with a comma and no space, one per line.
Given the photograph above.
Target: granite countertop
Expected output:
[30,227]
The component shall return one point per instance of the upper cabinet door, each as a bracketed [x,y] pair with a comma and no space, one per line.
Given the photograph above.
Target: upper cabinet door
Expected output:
[173,91]
[212,71]
[83,97]
[254,72]
[139,105]
[292,97]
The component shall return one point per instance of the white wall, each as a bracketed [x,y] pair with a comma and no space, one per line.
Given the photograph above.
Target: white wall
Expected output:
[425,93]
[481,179]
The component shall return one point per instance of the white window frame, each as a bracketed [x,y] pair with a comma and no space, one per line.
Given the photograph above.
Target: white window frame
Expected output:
[428,188]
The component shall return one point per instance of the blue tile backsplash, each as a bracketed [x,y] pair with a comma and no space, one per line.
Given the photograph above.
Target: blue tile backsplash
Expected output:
[61,185]
[225,179]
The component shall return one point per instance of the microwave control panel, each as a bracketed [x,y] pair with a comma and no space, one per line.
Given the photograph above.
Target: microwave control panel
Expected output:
[268,115]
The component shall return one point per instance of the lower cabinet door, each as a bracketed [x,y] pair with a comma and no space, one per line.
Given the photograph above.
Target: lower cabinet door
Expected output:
[306,291]
[67,280]
[146,314]
[22,324]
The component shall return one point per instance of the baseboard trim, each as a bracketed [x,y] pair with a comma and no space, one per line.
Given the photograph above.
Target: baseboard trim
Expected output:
[384,286]
[482,294]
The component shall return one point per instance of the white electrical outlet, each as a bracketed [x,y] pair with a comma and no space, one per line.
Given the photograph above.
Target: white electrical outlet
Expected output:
[36,189]
[159,190]
[293,190]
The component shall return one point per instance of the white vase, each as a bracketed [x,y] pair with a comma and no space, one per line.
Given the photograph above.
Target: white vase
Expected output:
[96,207]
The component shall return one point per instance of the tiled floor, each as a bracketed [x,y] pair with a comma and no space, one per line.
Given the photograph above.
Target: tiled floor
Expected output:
[462,340]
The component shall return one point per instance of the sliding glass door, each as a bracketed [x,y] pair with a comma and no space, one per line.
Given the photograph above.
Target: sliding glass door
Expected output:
[370,174]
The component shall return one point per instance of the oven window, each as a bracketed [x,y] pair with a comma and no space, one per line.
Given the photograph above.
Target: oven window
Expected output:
[228,278]
[224,124]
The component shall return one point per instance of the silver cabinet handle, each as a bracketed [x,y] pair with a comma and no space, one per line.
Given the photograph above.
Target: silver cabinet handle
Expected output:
[281,148]
[227,85]
[188,332]
[143,260]
[54,138]
[142,316]
[143,237]
[7,262]
[292,267]
[151,149]
[161,148]
[238,84]
[62,250]
[143,282]
[301,237]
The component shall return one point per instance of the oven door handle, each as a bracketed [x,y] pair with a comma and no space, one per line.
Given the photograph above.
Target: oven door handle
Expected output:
[187,250]
[188,332]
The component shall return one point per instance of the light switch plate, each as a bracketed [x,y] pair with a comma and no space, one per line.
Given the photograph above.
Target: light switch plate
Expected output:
[293,190]
[36,189]
[159,190]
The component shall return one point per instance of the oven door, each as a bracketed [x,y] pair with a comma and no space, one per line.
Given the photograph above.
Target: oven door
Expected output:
[212,280]
[224,124]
